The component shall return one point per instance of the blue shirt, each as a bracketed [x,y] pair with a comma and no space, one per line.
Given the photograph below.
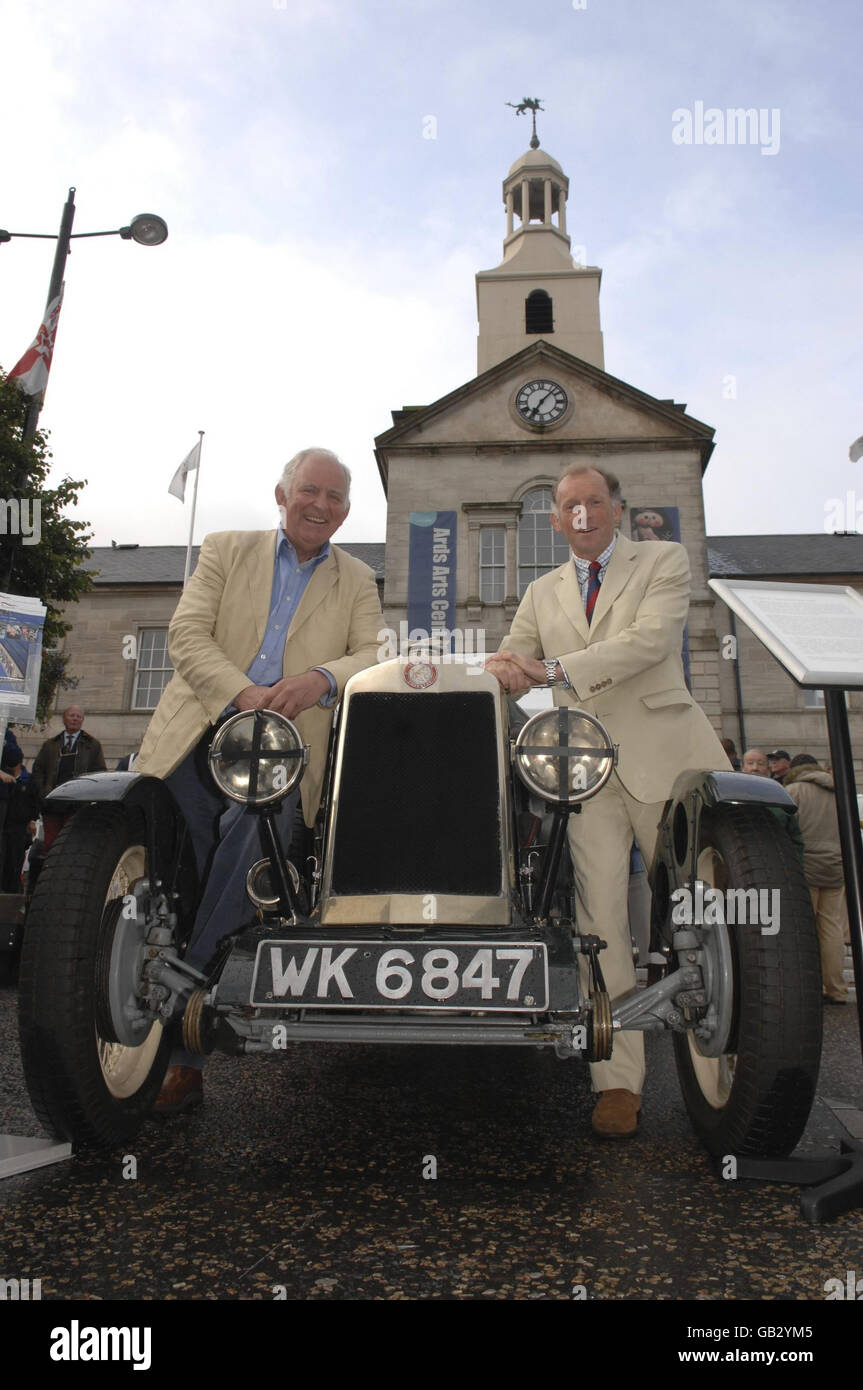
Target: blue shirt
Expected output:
[290,579]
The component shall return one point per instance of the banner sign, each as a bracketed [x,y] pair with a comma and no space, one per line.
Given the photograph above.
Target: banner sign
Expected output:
[21,623]
[431,573]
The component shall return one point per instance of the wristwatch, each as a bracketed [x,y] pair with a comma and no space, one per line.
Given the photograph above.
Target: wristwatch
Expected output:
[550,664]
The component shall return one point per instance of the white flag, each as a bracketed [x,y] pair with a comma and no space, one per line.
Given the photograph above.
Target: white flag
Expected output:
[856,450]
[189,464]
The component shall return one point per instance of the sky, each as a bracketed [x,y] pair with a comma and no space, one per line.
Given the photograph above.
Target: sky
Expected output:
[330,172]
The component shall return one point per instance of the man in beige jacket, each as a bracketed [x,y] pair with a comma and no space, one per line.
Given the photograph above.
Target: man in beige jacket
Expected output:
[269,620]
[605,629]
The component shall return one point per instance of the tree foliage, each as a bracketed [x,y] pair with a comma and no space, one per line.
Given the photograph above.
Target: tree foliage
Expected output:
[51,570]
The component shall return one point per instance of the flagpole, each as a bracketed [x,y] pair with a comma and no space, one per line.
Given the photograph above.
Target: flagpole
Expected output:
[194,503]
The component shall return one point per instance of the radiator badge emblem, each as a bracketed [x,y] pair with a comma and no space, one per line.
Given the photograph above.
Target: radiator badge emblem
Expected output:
[419,675]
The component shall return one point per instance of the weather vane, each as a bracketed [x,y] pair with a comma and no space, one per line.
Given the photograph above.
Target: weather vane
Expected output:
[531,104]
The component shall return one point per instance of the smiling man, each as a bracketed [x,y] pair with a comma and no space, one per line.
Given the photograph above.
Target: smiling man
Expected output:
[269,620]
[605,630]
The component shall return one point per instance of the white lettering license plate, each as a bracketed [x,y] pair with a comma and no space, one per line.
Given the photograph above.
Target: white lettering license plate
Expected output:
[408,975]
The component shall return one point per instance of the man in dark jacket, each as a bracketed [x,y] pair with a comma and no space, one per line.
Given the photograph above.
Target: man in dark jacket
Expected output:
[813,792]
[67,755]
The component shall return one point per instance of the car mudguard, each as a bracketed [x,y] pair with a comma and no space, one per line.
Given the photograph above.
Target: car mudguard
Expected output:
[169,846]
[674,863]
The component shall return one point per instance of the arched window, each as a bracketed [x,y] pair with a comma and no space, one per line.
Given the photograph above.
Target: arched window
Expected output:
[538,313]
[540,549]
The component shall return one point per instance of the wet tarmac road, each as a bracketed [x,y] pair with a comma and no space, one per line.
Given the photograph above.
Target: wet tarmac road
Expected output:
[304,1179]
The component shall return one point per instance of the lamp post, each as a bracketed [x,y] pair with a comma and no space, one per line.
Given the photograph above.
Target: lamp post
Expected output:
[147,229]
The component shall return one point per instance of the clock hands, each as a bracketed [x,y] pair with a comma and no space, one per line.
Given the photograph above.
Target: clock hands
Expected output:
[536,409]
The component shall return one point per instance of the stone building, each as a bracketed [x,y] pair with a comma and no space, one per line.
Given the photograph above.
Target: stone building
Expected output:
[468,482]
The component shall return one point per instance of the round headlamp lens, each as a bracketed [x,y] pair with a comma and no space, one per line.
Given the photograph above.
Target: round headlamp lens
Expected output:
[564,755]
[257,757]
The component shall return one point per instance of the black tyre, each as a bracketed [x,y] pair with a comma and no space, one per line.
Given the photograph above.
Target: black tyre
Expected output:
[84,1085]
[755,1098]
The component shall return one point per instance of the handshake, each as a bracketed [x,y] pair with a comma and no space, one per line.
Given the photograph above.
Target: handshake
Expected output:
[518,674]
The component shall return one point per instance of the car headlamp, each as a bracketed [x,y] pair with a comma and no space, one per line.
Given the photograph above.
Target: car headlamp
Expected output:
[257,757]
[564,755]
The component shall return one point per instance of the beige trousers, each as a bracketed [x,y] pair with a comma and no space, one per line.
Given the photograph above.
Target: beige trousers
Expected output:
[831,920]
[600,837]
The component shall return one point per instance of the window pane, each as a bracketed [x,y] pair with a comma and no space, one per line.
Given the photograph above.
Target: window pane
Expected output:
[154,668]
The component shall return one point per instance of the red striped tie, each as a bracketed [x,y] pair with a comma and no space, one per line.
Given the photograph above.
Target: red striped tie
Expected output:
[592,589]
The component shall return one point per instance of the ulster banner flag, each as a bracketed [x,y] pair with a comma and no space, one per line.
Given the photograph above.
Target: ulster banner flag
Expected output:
[30,374]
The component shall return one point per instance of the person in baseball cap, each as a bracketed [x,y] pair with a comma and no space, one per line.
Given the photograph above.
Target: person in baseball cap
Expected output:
[779,762]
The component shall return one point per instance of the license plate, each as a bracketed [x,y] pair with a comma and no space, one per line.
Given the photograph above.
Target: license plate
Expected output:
[462,975]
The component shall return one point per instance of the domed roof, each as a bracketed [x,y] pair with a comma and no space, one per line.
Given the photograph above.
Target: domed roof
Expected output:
[532,159]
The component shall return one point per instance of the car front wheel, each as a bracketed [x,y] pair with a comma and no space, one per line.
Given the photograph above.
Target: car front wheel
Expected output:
[92,1079]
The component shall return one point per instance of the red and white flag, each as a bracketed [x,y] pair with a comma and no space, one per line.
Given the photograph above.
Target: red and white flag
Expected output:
[30,374]
[189,464]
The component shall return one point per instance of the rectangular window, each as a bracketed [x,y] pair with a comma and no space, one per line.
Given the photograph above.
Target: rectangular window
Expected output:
[153,669]
[492,564]
[813,699]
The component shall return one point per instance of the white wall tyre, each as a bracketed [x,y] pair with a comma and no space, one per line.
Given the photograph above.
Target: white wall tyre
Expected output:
[85,1085]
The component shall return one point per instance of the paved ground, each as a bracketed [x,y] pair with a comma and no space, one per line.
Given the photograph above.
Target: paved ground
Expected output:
[304,1179]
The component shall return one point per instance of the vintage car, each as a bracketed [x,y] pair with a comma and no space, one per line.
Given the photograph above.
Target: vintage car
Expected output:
[433,903]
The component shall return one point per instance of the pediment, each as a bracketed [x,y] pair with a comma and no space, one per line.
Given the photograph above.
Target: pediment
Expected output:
[604,409]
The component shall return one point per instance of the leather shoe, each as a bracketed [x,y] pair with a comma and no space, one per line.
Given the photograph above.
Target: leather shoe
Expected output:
[616,1114]
[182,1089]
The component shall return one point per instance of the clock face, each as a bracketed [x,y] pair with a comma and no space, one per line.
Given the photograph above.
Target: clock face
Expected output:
[541,402]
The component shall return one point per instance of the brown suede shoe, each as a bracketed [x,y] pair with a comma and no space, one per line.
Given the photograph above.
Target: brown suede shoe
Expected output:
[616,1114]
[182,1089]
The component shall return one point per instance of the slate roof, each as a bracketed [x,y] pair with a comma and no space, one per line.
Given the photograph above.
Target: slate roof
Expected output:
[778,557]
[784,557]
[164,564]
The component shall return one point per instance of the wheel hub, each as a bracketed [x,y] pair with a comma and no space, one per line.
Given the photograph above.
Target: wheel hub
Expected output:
[711,1035]
[120,1017]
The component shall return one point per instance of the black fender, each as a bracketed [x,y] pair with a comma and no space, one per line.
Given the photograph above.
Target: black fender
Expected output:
[676,856]
[169,846]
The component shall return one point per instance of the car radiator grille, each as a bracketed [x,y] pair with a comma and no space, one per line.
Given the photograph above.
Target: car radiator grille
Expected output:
[419,805]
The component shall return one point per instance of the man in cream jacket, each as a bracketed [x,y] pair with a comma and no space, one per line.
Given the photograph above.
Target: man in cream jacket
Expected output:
[269,620]
[605,629]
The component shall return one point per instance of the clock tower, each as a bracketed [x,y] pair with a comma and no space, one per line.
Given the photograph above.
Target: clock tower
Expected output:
[469,478]
[538,290]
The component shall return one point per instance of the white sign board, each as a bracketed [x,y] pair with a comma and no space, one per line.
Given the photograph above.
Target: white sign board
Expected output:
[21,622]
[814,630]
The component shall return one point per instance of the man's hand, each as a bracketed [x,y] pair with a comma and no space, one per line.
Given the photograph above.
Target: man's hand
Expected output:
[289,696]
[517,674]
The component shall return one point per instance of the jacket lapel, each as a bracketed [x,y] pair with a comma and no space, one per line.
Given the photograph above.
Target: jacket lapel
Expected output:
[569,598]
[259,563]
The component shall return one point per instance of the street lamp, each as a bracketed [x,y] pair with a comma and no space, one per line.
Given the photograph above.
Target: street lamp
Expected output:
[147,229]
